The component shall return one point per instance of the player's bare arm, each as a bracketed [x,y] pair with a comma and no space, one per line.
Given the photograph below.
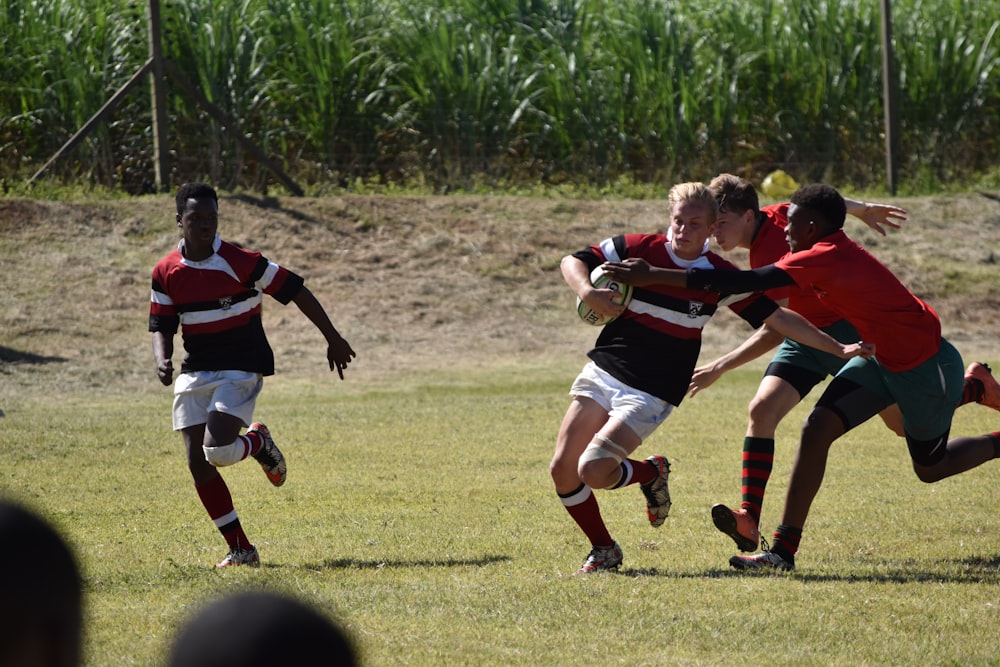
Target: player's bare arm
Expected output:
[792,325]
[876,215]
[163,350]
[577,275]
[338,351]
[761,341]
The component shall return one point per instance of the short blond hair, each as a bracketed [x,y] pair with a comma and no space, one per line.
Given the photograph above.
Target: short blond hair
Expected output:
[694,192]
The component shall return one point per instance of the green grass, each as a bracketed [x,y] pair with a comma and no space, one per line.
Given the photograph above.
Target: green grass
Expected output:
[419,512]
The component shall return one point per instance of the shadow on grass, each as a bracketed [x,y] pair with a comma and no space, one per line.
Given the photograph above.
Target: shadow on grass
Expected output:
[11,356]
[344,563]
[273,203]
[970,570]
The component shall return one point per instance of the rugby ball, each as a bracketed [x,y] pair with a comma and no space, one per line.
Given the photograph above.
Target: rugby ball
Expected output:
[601,280]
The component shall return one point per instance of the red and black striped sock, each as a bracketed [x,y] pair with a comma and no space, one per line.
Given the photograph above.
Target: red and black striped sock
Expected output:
[972,391]
[758,460]
[786,541]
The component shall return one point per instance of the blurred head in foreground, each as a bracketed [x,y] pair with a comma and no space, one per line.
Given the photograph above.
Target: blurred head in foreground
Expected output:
[260,628]
[41,607]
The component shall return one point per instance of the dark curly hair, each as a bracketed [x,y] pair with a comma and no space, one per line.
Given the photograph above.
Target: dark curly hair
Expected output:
[825,202]
[195,191]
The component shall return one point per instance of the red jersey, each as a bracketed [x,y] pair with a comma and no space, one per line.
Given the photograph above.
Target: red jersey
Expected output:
[852,283]
[654,345]
[768,246]
[217,302]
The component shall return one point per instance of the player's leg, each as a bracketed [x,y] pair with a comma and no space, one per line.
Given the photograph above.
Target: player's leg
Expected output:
[854,396]
[192,414]
[893,420]
[583,418]
[928,395]
[792,373]
[633,416]
[217,500]
[233,400]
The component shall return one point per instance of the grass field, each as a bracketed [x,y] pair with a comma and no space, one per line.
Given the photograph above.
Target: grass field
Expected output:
[418,508]
[422,517]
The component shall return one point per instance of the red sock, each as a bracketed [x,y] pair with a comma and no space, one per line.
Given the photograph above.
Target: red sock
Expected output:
[643,472]
[582,506]
[218,503]
[254,440]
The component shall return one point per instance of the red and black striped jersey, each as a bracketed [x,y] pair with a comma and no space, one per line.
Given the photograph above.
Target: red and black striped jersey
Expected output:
[654,345]
[217,304]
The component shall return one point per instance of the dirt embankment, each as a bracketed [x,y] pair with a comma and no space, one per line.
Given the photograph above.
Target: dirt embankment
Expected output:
[414,283]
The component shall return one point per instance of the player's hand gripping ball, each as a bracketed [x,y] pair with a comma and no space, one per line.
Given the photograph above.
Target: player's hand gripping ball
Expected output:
[601,280]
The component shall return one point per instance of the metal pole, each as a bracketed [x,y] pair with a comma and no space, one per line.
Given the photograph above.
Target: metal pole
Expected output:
[161,152]
[229,125]
[95,119]
[889,98]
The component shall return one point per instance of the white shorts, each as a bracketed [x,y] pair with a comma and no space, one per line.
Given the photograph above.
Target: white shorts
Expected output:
[232,392]
[640,411]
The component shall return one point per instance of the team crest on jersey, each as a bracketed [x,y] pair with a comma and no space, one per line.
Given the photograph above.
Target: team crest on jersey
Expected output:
[226,302]
[695,308]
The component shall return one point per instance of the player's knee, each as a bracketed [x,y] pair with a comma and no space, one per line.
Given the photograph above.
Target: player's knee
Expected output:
[927,475]
[928,458]
[763,415]
[822,427]
[226,455]
[562,470]
[601,457]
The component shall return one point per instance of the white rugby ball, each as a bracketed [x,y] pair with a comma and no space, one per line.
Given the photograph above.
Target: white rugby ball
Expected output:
[601,280]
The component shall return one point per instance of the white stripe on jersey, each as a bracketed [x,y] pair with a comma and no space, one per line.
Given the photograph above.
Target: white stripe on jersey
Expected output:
[608,250]
[160,298]
[219,314]
[674,317]
[269,273]
[213,263]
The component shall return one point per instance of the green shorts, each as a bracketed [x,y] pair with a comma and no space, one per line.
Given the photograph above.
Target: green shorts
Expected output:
[804,367]
[927,395]
[808,358]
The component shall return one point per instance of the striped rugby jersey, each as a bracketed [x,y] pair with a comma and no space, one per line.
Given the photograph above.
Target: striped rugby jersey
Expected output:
[654,345]
[217,304]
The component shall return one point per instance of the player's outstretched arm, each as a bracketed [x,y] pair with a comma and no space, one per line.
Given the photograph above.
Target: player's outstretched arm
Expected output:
[338,351]
[763,339]
[794,326]
[876,215]
[637,271]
